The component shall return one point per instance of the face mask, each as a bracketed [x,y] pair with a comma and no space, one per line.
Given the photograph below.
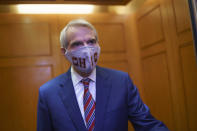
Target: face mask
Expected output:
[85,58]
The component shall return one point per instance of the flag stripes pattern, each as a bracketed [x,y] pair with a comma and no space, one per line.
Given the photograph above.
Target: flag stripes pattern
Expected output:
[89,106]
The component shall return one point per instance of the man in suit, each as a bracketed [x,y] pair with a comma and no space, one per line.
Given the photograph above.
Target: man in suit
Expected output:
[89,97]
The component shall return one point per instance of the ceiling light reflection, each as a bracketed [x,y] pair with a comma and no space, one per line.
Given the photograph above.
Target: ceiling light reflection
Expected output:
[54,9]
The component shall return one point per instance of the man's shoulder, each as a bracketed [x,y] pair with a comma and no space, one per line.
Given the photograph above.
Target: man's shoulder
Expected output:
[116,77]
[112,72]
[54,83]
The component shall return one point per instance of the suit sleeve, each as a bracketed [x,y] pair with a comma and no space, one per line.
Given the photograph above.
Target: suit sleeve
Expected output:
[43,118]
[139,113]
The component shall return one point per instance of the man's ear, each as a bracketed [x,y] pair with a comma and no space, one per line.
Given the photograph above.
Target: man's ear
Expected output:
[63,50]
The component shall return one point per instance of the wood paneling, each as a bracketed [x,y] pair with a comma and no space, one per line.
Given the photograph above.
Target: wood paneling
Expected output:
[155,68]
[189,70]
[182,17]
[184,37]
[150,27]
[19,94]
[155,49]
[186,61]
[114,60]
[29,52]
[23,39]
[168,61]
[112,56]
[118,65]
[157,88]
[111,35]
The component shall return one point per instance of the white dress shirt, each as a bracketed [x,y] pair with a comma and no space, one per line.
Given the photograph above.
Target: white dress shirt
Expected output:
[79,88]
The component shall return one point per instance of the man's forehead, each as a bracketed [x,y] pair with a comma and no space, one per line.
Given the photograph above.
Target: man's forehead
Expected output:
[79,31]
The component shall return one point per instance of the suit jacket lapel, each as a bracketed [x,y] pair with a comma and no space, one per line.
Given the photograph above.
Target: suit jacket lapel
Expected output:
[69,99]
[103,87]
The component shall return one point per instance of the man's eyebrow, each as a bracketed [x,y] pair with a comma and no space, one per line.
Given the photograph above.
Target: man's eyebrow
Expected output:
[75,41]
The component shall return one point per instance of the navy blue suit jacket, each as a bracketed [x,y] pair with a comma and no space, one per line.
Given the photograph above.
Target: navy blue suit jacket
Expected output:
[117,101]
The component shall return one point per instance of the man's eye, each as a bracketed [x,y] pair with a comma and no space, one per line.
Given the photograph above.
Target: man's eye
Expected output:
[76,44]
[91,41]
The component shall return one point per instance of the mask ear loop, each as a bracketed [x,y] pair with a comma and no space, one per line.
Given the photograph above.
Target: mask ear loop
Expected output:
[66,54]
[66,51]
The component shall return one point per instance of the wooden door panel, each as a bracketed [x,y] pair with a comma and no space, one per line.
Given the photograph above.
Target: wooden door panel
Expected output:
[117,65]
[28,58]
[24,39]
[150,27]
[19,96]
[111,37]
[182,17]
[189,69]
[165,38]
[186,60]
[157,88]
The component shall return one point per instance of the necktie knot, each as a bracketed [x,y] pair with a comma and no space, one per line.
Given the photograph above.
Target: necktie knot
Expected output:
[86,82]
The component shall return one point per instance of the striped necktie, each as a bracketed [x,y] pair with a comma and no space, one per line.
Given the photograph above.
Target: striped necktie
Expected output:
[89,106]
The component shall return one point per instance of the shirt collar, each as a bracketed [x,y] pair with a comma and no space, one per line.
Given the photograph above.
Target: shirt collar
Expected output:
[76,78]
